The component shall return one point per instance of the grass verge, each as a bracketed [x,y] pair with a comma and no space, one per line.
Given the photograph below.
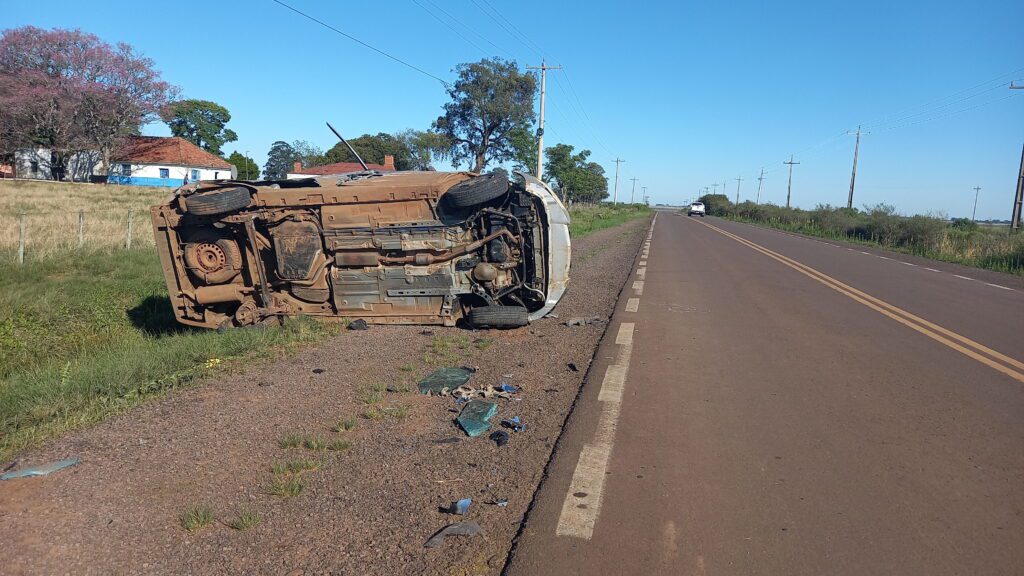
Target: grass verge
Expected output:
[87,335]
[589,218]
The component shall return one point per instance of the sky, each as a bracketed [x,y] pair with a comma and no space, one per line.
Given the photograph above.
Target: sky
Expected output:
[689,94]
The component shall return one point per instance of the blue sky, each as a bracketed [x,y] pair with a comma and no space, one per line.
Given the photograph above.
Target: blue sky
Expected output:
[689,94]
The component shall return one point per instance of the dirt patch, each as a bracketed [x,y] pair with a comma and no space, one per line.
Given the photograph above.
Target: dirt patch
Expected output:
[365,509]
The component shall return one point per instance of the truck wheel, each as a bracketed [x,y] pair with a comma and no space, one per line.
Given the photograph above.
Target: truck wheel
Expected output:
[219,201]
[498,317]
[478,190]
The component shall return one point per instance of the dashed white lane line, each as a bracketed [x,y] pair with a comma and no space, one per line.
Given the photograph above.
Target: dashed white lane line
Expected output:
[863,252]
[643,262]
[882,257]
[625,335]
[908,263]
[932,270]
[998,286]
[582,504]
[641,272]
[962,277]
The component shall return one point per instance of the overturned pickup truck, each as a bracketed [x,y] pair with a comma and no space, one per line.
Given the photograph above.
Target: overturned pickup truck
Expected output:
[390,248]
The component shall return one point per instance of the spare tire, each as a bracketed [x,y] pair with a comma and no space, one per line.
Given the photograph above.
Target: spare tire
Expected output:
[219,201]
[211,257]
[499,317]
[478,190]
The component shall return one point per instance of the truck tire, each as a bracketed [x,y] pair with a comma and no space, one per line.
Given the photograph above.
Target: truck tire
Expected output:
[219,201]
[478,190]
[211,257]
[498,317]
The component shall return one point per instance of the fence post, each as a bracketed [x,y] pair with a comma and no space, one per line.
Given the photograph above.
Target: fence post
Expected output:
[128,241]
[81,228]
[21,240]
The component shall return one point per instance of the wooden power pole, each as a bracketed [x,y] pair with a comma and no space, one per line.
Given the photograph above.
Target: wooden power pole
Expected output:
[634,179]
[974,214]
[789,188]
[615,196]
[738,180]
[1018,199]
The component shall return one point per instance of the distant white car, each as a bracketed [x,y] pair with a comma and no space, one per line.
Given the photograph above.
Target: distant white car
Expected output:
[697,208]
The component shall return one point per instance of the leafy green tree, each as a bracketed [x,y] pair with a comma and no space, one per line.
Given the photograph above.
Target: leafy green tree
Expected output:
[201,122]
[247,167]
[717,204]
[573,176]
[524,146]
[373,149]
[279,160]
[490,99]
[422,146]
[309,154]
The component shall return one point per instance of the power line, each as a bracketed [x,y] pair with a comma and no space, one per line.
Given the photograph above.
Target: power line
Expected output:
[358,41]
[470,28]
[450,27]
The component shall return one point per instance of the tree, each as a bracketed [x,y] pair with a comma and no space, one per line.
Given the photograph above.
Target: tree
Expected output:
[309,154]
[716,204]
[279,160]
[373,149]
[422,146]
[573,176]
[490,99]
[524,146]
[201,122]
[68,91]
[247,167]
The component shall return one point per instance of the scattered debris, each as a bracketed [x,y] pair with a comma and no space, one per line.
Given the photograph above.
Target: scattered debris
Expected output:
[500,437]
[426,332]
[471,369]
[457,529]
[318,370]
[506,387]
[460,507]
[474,419]
[43,470]
[514,424]
[551,315]
[358,324]
[444,379]
[392,388]
[581,321]
[502,502]
[573,367]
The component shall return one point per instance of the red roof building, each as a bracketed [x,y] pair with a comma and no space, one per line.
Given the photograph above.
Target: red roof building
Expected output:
[340,168]
[173,151]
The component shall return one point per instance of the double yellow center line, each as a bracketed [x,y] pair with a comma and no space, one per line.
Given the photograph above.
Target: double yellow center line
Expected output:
[1009,366]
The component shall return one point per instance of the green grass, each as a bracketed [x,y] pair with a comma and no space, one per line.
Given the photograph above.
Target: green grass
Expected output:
[196,518]
[314,442]
[286,485]
[590,218]
[339,445]
[246,519]
[345,425]
[87,335]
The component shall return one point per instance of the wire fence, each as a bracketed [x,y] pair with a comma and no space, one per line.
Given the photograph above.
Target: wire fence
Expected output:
[34,235]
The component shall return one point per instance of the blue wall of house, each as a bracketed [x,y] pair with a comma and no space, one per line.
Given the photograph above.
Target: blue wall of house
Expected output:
[139,181]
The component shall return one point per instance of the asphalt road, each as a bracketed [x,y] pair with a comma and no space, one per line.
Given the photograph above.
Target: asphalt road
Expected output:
[771,404]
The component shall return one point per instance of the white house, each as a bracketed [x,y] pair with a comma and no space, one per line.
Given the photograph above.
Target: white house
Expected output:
[38,164]
[158,161]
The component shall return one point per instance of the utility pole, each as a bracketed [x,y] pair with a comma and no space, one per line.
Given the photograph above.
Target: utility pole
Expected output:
[853,177]
[789,188]
[1018,199]
[634,179]
[716,187]
[643,193]
[738,180]
[540,127]
[760,180]
[975,213]
[615,197]
[247,165]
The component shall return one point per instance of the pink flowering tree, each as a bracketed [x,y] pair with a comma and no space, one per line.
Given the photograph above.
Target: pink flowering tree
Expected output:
[69,92]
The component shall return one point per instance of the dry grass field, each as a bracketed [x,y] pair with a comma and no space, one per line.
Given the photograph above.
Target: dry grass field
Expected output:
[52,215]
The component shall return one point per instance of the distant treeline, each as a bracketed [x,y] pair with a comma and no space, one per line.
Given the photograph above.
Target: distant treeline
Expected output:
[960,240]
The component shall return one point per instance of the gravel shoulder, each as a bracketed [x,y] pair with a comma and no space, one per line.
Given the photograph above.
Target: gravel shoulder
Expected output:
[368,509]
